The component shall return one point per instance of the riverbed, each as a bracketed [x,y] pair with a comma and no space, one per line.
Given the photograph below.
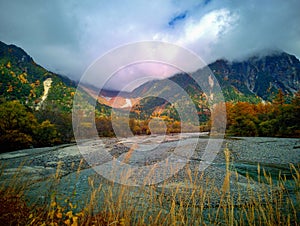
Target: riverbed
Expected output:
[176,162]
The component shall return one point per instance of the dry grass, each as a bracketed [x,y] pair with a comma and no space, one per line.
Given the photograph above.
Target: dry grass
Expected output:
[188,203]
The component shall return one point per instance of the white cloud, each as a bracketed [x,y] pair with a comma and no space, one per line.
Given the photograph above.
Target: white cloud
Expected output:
[203,32]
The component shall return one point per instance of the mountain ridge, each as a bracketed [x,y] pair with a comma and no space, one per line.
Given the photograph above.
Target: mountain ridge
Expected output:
[22,79]
[253,80]
[257,79]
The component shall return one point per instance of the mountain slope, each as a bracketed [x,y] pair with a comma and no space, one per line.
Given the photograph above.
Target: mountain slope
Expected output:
[252,80]
[36,104]
[22,79]
[258,76]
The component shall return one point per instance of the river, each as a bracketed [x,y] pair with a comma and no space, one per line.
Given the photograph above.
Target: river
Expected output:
[184,154]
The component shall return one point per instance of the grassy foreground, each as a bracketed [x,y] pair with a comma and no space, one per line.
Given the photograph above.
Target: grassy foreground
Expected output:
[277,203]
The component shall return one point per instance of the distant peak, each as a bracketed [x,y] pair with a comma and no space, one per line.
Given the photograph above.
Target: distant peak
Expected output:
[258,55]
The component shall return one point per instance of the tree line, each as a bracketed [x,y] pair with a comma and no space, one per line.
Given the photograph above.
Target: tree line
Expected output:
[277,118]
[22,127]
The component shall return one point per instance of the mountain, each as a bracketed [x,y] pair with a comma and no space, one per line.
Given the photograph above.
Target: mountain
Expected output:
[256,79]
[251,80]
[258,76]
[111,98]
[24,80]
[36,104]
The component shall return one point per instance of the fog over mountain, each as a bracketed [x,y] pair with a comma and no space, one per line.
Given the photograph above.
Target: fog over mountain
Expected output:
[67,36]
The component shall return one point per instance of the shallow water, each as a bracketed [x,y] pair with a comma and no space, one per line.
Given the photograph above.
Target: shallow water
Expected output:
[274,156]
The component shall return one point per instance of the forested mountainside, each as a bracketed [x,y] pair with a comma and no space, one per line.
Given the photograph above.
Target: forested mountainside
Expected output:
[259,77]
[35,104]
[24,80]
[262,95]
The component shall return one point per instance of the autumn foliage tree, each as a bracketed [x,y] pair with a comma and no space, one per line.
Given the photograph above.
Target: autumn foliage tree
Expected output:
[243,119]
[17,126]
[61,121]
[20,128]
[277,118]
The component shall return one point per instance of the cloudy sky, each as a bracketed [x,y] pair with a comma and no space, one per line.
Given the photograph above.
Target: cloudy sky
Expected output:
[67,36]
